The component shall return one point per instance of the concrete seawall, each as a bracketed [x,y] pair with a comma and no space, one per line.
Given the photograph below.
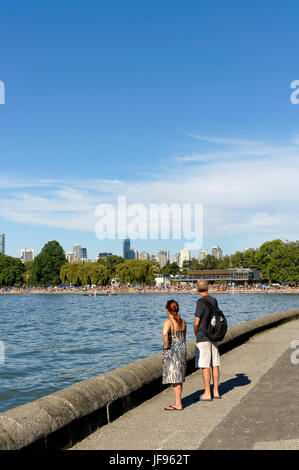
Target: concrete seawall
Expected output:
[59,420]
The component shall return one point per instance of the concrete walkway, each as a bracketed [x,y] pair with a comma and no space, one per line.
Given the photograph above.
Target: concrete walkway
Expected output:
[258,410]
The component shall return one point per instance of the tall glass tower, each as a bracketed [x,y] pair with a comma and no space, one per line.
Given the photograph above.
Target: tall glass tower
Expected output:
[126,248]
[2,243]
[128,253]
[78,251]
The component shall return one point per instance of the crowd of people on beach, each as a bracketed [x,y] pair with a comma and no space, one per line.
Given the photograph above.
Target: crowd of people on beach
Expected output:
[148,289]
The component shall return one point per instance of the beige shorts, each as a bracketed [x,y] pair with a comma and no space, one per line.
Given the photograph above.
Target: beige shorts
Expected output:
[206,355]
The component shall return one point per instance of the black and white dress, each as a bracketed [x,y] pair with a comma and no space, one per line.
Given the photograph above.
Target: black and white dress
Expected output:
[175,358]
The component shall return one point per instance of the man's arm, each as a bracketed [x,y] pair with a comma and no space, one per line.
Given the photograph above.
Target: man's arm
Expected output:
[196,325]
[198,313]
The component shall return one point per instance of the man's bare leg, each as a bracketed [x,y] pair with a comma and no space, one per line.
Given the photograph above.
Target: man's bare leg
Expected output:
[216,375]
[206,375]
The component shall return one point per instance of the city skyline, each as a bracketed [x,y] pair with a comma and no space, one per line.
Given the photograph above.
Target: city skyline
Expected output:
[80,254]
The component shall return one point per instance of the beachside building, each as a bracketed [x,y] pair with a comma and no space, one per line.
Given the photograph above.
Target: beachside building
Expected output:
[161,280]
[227,276]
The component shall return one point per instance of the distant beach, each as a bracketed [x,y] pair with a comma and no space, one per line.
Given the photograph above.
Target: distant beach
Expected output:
[115,290]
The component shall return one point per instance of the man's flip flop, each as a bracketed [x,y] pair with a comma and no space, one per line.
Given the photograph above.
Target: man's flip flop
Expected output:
[172,408]
[205,399]
[218,398]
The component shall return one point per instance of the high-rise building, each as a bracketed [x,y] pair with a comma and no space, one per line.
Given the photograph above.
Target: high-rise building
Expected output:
[176,259]
[184,256]
[202,255]
[144,255]
[2,243]
[127,252]
[27,255]
[136,254]
[104,255]
[217,252]
[126,247]
[162,258]
[164,253]
[70,257]
[78,252]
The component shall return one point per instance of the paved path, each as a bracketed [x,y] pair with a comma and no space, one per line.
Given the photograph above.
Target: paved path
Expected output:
[259,408]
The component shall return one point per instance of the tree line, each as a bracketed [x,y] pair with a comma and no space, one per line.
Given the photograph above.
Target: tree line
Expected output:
[277,260]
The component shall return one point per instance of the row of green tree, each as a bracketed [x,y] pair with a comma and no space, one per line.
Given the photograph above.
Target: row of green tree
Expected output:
[277,260]
[50,268]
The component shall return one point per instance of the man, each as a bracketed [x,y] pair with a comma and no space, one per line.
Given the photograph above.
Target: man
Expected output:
[207,354]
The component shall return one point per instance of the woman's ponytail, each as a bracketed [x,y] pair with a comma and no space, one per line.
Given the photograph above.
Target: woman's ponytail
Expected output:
[173,307]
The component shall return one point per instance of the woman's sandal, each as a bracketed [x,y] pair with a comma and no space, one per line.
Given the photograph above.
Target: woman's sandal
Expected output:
[172,408]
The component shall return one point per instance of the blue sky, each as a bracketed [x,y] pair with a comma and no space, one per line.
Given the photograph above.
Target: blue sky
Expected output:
[160,101]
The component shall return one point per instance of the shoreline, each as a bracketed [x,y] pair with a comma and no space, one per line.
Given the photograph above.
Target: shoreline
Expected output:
[98,292]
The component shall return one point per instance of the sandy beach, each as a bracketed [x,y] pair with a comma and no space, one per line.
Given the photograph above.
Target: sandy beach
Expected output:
[95,290]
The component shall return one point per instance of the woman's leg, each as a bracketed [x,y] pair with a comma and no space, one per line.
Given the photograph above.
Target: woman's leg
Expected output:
[177,390]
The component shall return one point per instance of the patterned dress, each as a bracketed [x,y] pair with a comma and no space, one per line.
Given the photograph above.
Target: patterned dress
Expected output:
[175,358]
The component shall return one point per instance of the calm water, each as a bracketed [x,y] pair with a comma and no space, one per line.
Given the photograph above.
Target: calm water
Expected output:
[54,341]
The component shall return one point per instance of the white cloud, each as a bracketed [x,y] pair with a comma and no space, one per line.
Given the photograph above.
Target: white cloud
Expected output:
[251,189]
[219,140]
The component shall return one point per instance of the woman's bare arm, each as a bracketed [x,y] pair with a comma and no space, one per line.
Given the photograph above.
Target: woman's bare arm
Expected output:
[165,331]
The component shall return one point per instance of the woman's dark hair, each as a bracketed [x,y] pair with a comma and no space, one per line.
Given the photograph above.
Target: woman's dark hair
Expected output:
[173,307]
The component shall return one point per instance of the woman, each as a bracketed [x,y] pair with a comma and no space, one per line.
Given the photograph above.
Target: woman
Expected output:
[174,353]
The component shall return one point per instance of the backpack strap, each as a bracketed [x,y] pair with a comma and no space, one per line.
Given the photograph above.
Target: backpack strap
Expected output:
[207,303]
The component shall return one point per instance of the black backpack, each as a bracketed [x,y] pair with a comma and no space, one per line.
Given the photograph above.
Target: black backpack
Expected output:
[215,327]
